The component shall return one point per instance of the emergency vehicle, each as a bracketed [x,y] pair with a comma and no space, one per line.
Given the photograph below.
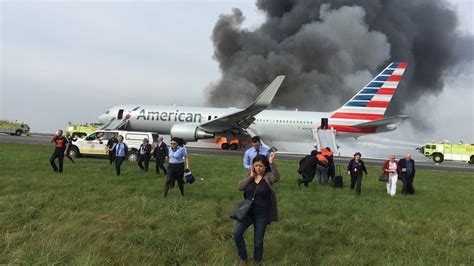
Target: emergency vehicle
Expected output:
[80,130]
[94,143]
[448,152]
[13,128]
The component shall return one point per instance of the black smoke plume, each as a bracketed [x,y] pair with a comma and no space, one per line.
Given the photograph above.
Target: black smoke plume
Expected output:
[328,50]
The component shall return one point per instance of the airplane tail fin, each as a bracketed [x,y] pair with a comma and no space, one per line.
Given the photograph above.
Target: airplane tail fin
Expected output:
[371,103]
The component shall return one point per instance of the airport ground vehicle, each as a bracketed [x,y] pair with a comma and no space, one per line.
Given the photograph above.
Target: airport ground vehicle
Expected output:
[448,152]
[94,143]
[14,128]
[80,130]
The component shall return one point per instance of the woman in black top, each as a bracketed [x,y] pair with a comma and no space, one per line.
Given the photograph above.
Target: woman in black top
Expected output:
[264,210]
[355,169]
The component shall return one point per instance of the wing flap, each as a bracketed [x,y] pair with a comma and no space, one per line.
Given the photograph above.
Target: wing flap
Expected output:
[242,119]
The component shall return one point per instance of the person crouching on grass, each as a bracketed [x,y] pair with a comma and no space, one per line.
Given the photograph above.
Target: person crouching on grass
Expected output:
[259,181]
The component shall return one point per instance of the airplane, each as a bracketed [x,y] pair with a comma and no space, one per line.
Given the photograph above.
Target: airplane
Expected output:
[363,114]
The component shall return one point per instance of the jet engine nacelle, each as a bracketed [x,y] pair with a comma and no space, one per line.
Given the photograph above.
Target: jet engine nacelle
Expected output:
[189,132]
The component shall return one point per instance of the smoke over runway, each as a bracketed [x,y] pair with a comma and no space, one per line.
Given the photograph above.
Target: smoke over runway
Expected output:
[329,49]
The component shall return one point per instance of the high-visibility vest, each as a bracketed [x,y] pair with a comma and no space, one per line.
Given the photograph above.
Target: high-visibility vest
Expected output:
[322,159]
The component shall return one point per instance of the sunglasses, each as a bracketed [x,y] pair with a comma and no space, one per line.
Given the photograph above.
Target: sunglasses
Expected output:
[173,143]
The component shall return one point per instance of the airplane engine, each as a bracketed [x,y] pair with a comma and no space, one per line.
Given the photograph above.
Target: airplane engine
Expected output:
[189,132]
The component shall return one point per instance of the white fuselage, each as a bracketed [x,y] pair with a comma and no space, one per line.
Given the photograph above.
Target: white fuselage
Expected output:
[274,125]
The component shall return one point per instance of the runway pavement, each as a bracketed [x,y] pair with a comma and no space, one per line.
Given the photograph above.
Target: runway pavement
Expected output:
[427,165]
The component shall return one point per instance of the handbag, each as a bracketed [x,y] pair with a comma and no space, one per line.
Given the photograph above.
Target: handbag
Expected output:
[243,208]
[383,177]
[189,176]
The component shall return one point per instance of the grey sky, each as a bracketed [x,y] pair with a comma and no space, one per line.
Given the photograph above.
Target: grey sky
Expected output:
[69,61]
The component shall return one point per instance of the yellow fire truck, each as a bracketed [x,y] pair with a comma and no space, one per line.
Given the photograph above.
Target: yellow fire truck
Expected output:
[448,152]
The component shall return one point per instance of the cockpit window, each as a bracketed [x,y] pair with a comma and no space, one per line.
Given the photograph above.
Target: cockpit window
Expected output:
[108,111]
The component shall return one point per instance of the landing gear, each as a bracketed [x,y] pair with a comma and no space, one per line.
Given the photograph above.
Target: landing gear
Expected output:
[225,146]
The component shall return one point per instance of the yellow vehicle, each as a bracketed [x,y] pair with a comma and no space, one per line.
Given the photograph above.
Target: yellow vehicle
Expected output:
[14,128]
[80,131]
[448,152]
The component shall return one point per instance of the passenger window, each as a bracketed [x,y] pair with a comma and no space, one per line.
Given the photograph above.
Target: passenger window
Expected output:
[209,118]
[92,136]
[433,147]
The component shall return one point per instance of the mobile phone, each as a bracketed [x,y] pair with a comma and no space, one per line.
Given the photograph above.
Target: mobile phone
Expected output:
[273,149]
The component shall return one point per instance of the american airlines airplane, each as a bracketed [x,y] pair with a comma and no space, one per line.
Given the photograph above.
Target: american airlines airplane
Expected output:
[363,114]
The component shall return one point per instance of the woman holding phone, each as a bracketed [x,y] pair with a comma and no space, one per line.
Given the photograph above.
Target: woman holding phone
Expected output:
[391,168]
[257,186]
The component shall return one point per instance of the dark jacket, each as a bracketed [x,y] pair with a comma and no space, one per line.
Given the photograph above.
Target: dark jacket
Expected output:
[308,165]
[403,164]
[161,151]
[147,148]
[350,169]
[270,178]
[386,165]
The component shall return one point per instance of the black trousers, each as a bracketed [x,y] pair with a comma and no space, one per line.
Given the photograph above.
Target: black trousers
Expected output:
[160,161]
[408,185]
[143,159]
[118,162]
[356,180]
[111,157]
[175,173]
[60,155]
[307,178]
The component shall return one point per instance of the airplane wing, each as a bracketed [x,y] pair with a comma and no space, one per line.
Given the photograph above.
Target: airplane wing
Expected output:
[383,121]
[244,118]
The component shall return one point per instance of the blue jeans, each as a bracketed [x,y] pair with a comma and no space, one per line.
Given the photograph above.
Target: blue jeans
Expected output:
[259,226]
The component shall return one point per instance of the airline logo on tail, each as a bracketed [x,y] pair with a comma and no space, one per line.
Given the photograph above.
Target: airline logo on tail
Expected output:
[370,103]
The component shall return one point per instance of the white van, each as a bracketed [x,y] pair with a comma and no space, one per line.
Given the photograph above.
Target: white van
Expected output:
[94,143]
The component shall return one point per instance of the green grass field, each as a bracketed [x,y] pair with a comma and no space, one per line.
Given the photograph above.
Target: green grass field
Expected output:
[88,216]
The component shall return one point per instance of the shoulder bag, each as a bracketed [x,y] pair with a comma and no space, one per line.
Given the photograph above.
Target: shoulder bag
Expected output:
[243,208]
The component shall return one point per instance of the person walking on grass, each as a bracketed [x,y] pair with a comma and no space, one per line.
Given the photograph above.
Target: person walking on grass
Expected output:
[356,168]
[144,155]
[108,147]
[160,153]
[177,155]
[407,173]
[392,169]
[120,149]
[61,145]
[255,150]
[257,185]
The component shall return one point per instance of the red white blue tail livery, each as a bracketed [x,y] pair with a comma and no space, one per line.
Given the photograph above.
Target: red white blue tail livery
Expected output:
[370,104]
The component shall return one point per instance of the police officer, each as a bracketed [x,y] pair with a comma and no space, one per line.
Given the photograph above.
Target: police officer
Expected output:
[120,150]
[110,144]
[160,153]
[61,144]
[144,154]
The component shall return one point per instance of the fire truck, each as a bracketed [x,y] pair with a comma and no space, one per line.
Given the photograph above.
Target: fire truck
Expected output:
[76,131]
[440,152]
[14,128]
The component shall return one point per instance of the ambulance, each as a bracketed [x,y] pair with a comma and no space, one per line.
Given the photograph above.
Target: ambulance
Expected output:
[94,143]
[440,152]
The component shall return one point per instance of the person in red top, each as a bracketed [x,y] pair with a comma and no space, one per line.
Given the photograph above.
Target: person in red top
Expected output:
[61,144]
